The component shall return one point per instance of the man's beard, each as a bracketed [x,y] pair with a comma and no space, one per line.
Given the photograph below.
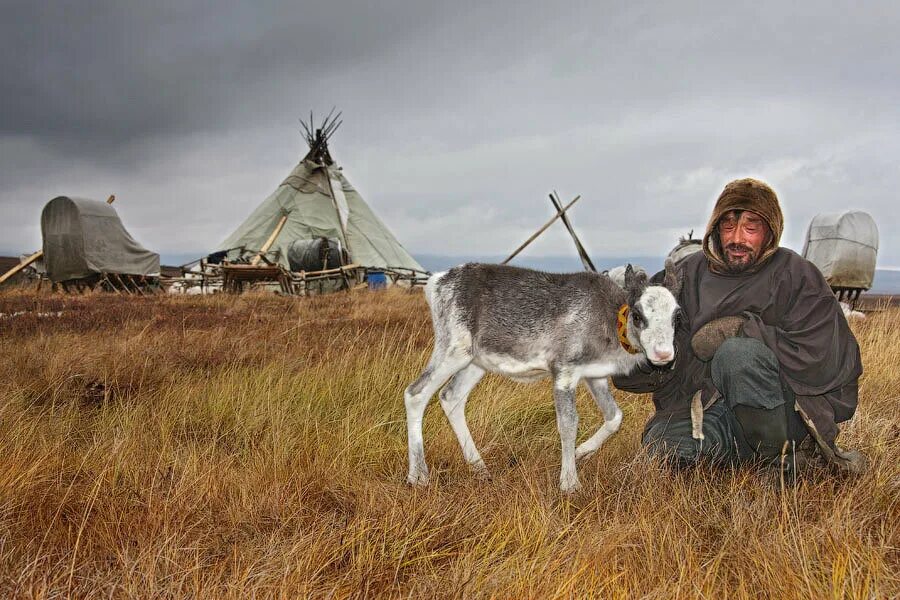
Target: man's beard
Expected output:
[739,264]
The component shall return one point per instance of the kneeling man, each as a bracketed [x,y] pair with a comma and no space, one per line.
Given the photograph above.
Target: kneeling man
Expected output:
[765,344]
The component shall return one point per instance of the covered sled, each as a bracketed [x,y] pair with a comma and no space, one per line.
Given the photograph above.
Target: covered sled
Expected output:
[85,242]
[844,247]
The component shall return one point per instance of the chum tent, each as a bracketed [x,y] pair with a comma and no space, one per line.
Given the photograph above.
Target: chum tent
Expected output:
[83,238]
[316,200]
[844,247]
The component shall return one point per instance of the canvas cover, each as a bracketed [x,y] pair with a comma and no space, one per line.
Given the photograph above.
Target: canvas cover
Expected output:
[86,237]
[844,247]
[305,196]
[685,248]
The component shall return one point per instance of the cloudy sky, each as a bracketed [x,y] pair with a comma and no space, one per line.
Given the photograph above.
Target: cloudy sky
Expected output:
[459,117]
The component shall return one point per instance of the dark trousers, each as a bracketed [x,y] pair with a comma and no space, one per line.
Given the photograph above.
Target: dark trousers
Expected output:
[751,420]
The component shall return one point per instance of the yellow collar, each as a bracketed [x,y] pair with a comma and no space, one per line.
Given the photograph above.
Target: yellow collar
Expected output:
[622,330]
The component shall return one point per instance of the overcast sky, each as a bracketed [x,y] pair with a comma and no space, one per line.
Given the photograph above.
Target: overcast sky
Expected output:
[459,117]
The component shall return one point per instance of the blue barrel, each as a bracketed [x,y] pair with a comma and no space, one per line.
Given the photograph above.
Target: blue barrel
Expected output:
[377,280]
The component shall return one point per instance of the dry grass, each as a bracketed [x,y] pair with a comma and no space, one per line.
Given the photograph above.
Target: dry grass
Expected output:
[255,447]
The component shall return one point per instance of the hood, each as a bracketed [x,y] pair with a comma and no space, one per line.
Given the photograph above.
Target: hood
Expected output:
[745,194]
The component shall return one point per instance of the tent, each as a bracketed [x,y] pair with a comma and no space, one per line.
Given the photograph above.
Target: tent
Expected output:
[844,247]
[84,238]
[315,201]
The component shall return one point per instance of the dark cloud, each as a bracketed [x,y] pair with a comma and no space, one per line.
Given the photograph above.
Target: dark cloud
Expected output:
[459,117]
[110,71]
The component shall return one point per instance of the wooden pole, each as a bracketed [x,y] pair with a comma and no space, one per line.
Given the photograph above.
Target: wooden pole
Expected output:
[582,253]
[337,211]
[541,230]
[270,241]
[34,257]
[21,265]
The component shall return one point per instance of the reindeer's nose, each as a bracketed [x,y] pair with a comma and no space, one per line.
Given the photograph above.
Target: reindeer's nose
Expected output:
[663,355]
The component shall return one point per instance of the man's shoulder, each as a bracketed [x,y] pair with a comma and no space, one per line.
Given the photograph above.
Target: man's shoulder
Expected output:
[785,258]
[693,262]
[798,273]
[788,256]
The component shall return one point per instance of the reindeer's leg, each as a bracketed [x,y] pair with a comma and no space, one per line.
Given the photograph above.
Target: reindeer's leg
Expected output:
[564,386]
[453,401]
[599,389]
[442,366]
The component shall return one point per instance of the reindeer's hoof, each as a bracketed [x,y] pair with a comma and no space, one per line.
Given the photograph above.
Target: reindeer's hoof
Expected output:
[698,435]
[418,479]
[570,488]
[481,472]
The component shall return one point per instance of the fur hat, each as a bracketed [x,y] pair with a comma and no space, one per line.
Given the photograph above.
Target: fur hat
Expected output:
[744,194]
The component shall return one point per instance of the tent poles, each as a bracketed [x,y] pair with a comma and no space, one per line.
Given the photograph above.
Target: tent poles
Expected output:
[337,210]
[34,257]
[270,241]
[582,253]
[558,214]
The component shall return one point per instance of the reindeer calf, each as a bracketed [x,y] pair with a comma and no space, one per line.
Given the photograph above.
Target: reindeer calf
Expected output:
[528,325]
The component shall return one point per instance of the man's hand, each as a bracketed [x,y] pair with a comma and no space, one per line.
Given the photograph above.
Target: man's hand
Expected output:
[708,339]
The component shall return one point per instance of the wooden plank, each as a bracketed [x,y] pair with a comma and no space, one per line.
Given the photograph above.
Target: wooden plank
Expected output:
[270,241]
[31,259]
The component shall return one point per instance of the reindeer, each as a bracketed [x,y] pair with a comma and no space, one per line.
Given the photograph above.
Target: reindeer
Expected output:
[528,325]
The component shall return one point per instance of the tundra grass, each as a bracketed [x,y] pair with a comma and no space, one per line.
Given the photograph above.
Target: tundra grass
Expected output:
[255,446]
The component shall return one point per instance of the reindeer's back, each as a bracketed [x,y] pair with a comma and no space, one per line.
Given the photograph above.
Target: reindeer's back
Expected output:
[522,300]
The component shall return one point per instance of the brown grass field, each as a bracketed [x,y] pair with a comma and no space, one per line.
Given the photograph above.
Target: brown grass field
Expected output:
[255,446]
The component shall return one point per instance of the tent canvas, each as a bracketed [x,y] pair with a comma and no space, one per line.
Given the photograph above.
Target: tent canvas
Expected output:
[844,247]
[318,201]
[86,237]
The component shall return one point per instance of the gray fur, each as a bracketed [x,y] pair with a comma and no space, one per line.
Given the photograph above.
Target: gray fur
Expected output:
[529,324]
[507,308]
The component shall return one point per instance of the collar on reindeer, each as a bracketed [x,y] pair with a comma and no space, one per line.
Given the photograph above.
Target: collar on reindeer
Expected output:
[622,330]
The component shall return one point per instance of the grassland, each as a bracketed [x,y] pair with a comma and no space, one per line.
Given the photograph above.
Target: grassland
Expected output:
[237,447]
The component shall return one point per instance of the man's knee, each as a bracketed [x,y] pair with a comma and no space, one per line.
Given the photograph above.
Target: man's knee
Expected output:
[740,353]
[746,373]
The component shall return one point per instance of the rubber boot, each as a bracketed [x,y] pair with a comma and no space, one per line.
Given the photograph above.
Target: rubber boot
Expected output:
[764,429]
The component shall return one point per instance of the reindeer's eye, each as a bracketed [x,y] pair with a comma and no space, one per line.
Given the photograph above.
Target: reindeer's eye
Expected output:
[678,318]
[637,319]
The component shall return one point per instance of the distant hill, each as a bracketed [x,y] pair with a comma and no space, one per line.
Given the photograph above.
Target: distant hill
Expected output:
[887,281]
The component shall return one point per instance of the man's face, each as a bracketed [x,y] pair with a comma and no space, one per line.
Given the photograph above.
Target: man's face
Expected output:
[742,235]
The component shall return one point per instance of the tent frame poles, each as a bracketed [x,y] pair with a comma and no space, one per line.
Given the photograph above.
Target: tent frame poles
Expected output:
[270,241]
[559,213]
[582,253]
[337,211]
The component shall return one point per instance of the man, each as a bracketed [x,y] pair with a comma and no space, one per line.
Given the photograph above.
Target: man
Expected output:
[765,344]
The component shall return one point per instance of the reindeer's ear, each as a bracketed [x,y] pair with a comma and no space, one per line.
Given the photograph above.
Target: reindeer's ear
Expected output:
[629,277]
[673,278]
[634,278]
[635,282]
